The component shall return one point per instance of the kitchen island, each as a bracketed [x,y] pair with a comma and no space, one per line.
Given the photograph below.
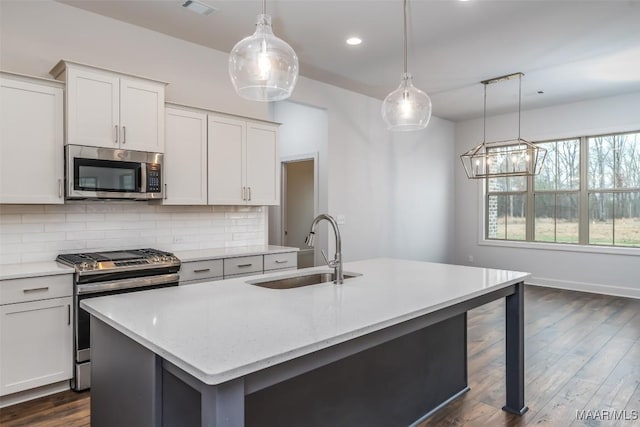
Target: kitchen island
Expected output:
[385,348]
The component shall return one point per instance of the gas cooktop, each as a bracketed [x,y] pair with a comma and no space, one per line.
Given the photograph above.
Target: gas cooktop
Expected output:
[130,259]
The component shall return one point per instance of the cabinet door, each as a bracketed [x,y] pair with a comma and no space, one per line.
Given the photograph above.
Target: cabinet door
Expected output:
[262,163]
[185,160]
[35,344]
[31,133]
[141,115]
[225,165]
[92,108]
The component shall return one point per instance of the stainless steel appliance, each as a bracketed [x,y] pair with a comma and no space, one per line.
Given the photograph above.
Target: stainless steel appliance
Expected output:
[109,273]
[107,173]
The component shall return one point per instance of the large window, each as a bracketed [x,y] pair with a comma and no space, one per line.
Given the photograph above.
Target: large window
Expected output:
[588,192]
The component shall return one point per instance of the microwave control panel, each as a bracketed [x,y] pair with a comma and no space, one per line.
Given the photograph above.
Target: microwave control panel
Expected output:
[154,183]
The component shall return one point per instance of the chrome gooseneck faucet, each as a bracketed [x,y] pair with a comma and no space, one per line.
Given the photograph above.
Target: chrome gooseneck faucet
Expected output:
[336,263]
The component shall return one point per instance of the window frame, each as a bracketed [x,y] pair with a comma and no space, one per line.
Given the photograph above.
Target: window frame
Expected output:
[583,193]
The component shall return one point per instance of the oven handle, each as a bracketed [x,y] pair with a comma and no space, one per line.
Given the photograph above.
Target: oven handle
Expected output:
[136,282]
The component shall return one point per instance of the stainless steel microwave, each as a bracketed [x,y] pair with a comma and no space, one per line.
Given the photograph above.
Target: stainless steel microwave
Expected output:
[107,173]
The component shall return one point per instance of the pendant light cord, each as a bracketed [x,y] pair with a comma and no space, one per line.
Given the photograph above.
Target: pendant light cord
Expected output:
[519,101]
[405,36]
[264,7]
[484,116]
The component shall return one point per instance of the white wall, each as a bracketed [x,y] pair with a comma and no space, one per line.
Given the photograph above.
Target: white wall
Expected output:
[394,189]
[597,272]
[35,35]
[372,177]
[304,133]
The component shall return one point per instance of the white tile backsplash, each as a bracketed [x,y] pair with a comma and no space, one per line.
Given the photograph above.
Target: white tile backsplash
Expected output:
[31,233]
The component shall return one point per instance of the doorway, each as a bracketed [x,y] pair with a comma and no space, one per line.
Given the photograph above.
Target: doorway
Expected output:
[299,205]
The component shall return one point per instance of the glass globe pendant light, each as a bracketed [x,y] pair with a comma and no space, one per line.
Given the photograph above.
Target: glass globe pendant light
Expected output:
[263,67]
[407,108]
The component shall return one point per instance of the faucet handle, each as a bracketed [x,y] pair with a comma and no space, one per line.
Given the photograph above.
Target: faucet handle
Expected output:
[329,263]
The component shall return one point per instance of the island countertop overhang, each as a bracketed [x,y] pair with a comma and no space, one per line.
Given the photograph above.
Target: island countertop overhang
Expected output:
[218,331]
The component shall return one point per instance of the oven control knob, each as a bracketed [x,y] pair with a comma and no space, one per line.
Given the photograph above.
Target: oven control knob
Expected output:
[83,265]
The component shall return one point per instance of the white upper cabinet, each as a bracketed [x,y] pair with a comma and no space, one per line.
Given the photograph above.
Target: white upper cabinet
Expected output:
[31,133]
[185,160]
[226,161]
[243,162]
[107,109]
[262,164]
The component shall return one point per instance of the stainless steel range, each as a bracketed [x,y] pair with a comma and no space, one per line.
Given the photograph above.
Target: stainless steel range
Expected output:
[109,273]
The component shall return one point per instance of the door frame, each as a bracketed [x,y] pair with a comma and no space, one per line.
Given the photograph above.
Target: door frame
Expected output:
[283,190]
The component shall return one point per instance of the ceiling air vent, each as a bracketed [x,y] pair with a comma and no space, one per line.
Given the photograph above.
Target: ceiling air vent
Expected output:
[198,7]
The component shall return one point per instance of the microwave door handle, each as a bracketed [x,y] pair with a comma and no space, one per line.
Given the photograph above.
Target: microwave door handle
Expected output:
[143,178]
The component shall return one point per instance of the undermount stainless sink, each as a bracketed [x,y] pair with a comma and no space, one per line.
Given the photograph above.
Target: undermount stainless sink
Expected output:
[290,282]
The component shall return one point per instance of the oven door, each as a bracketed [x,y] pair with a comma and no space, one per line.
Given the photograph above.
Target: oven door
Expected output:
[100,289]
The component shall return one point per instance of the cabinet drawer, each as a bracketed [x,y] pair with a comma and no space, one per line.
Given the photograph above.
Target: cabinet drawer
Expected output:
[201,270]
[35,288]
[280,261]
[242,265]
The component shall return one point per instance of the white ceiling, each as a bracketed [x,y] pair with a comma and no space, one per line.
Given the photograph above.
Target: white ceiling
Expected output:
[571,49]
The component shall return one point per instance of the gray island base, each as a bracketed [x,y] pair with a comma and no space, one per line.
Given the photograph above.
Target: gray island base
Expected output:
[395,376]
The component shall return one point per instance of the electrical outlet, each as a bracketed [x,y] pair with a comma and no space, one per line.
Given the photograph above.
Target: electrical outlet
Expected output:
[471,259]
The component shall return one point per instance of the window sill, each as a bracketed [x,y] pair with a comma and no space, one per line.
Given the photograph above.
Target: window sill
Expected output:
[564,247]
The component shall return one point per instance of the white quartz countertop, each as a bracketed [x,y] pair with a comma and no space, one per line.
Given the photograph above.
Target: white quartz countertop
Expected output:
[205,254]
[33,269]
[218,331]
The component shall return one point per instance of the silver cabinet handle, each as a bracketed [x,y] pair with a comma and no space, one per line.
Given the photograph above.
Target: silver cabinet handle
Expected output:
[124,134]
[116,139]
[68,314]
[281,262]
[32,290]
[165,191]
[60,188]
[202,270]
[244,192]
[249,193]
[244,265]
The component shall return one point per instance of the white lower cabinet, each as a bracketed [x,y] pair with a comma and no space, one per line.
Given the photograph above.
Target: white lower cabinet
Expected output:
[281,261]
[36,346]
[228,268]
[243,266]
[200,271]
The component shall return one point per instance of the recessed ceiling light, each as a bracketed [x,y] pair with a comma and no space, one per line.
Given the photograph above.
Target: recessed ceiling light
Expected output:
[354,41]
[198,7]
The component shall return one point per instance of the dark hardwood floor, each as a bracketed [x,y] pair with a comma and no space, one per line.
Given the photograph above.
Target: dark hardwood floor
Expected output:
[582,354]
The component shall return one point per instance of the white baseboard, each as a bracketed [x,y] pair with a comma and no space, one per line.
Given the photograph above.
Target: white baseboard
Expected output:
[34,393]
[596,288]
